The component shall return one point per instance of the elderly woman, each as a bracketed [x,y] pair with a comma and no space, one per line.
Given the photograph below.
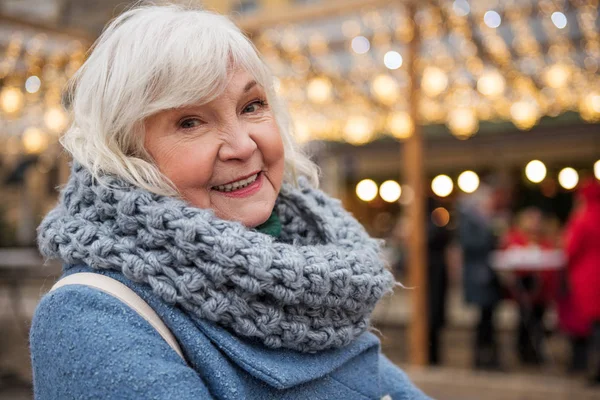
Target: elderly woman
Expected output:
[188,189]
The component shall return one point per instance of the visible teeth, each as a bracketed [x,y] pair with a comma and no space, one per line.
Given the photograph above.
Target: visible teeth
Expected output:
[236,185]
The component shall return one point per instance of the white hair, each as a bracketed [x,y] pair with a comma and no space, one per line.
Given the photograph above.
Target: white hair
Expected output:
[154,58]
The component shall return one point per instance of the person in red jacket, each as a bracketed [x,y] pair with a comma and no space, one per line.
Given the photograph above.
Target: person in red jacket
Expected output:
[582,245]
[532,288]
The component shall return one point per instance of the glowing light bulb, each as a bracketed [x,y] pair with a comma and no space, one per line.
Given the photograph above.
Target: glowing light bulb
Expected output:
[385,88]
[568,178]
[400,125]
[34,140]
[33,84]
[463,122]
[468,181]
[559,19]
[390,191]
[11,100]
[434,81]
[535,171]
[525,114]
[360,45]
[366,190]
[392,60]
[440,217]
[492,19]
[442,185]
[491,84]
[55,119]
[319,90]
[358,130]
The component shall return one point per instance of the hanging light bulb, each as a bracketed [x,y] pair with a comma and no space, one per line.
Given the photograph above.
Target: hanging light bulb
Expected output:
[35,140]
[525,114]
[440,217]
[358,130]
[557,76]
[468,181]
[535,171]
[366,190]
[597,169]
[434,81]
[463,122]
[55,119]
[319,90]
[390,191]
[491,84]
[11,100]
[385,88]
[589,107]
[400,125]
[568,178]
[442,185]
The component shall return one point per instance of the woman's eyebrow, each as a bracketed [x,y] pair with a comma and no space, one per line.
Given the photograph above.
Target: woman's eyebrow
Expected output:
[249,85]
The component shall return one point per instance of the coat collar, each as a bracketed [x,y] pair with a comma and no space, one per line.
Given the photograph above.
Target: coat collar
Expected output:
[283,368]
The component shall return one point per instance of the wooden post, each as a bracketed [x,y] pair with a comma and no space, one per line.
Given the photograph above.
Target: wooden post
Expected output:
[412,155]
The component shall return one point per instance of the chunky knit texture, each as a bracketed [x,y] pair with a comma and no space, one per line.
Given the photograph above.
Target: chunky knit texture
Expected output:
[313,289]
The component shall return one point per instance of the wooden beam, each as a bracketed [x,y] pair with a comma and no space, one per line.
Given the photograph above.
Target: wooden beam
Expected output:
[412,156]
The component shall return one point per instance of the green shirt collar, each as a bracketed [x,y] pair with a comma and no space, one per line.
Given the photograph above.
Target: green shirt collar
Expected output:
[271,227]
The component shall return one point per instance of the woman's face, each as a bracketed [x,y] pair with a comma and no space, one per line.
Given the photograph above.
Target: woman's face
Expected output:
[226,155]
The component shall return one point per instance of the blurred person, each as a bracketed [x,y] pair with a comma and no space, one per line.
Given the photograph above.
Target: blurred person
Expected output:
[438,240]
[532,289]
[187,188]
[582,246]
[480,282]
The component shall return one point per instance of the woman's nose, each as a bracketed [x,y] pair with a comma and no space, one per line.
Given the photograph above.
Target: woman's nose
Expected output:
[238,145]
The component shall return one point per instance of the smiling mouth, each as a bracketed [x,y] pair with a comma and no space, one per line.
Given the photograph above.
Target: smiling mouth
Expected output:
[242,183]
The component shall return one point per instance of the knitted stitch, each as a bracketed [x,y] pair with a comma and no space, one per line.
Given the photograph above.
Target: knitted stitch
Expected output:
[313,289]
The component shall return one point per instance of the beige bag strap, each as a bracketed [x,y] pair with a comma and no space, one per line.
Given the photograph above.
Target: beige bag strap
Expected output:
[118,290]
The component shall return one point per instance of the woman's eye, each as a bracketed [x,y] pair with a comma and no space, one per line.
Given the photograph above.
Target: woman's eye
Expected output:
[190,123]
[254,106]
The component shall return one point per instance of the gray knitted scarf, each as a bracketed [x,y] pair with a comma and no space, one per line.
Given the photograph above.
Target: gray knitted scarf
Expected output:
[314,288]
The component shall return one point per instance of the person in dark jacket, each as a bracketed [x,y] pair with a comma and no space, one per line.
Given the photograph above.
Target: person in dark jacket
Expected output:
[438,239]
[480,283]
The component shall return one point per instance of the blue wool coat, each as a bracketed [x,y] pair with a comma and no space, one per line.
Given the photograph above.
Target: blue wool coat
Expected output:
[85,344]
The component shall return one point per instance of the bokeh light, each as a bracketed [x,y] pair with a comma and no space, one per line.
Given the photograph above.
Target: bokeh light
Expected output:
[390,191]
[568,178]
[434,81]
[366,190]
[461,8]
[33,84]
[559,19]
[400,125]
[360,45]
[468,181]
[392,60]
[55,119]
[597,169]
[35,140]
[358,130]
[535,171]
[440,217]
[442,185]
[319,90]
[492,19]
[385,88]
[491,84]
[11,100]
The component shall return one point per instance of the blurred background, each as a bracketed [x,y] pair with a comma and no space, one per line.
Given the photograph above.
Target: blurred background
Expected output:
[458,131]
